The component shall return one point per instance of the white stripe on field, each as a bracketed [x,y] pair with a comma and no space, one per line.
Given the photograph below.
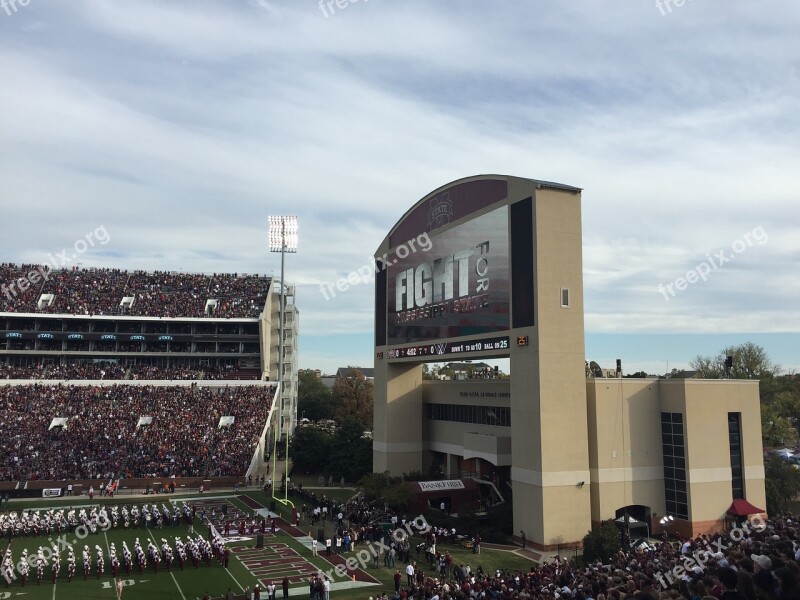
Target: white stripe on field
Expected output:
[180,591]
[234,579]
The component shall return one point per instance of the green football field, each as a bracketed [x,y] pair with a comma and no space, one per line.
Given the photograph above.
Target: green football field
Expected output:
[282,555]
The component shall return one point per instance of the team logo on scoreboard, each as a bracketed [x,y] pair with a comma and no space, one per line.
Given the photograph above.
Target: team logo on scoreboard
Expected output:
[440,211]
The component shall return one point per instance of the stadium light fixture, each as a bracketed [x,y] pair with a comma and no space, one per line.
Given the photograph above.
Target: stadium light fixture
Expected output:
[283,239]
[283,234]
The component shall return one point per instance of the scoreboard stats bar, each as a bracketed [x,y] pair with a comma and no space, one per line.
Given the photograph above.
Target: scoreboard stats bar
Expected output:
[450,348]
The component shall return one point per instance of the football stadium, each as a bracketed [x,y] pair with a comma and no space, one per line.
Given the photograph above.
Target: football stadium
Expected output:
[119,386]
[147,415]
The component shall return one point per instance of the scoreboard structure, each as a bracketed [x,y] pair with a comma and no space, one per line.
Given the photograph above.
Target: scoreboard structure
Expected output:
[490,267]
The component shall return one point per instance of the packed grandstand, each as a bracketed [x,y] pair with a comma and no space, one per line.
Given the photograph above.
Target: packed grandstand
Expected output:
[118,342]
[32,288]
[111,324]
[103,436]
[103,370]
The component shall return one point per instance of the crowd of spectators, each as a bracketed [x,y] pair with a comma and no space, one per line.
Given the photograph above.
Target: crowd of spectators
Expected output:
[107,370]
[748,563]
[85,291]
[20,286]
[81,291]
[102,436]
[151,372]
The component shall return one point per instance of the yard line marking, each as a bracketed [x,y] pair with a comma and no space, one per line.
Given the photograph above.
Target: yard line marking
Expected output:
[180,591]
[234,579]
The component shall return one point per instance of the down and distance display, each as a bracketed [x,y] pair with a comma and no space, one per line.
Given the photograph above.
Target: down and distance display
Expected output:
[460,347]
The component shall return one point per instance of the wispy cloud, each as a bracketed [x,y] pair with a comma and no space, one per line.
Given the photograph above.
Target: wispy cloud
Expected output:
[181,126]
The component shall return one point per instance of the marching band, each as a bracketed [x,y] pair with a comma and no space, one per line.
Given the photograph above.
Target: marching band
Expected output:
[31,523]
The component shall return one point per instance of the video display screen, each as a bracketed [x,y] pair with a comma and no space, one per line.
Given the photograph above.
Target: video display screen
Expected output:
[458,287]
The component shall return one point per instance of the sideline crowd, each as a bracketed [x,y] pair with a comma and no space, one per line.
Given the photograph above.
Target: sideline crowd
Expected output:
[758,565]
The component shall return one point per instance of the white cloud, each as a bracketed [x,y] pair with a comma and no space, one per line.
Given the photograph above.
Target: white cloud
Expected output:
[181,126]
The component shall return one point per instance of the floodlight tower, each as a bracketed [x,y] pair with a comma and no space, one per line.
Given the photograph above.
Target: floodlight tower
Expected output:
[283,239]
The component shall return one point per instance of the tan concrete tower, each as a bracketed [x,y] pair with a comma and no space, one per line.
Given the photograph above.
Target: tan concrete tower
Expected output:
[491,266]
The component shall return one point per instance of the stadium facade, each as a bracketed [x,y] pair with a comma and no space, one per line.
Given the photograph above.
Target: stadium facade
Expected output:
[491,267]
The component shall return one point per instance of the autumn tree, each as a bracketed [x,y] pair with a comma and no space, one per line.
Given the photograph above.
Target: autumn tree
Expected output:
[353,395]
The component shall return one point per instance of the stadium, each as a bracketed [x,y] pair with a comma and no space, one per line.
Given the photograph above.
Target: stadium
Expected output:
[150,354]
[145,419]
[115,384]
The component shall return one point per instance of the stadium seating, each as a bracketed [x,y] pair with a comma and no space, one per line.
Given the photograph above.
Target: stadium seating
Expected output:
[102,437]
[158,294]
[110,371]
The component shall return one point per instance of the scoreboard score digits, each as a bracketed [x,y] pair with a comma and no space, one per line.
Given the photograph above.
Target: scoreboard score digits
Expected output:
[441,349]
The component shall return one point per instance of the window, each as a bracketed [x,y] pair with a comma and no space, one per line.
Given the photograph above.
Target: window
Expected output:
[672,443]
[565,297]
[735,443]
[467,413]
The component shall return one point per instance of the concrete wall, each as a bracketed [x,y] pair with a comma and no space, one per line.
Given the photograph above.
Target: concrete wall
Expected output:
[548,391]
[626,454]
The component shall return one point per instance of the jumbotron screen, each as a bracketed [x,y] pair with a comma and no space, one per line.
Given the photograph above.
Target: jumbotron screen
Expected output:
[459,287]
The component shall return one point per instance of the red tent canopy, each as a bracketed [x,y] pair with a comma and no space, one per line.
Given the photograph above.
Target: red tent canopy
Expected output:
[742,508]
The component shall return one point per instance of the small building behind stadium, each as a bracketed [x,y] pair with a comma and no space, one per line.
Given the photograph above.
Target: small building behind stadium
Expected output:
[491,267]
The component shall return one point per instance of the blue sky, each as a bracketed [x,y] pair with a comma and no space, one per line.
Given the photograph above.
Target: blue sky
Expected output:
[180,126]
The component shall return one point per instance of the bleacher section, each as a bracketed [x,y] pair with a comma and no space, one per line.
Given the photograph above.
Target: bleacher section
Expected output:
[36,289]
[101,438]
[111,371]
[112,324]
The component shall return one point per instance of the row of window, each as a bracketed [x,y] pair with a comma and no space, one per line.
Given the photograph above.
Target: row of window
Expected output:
[735,443]
[465,413]
[674,451]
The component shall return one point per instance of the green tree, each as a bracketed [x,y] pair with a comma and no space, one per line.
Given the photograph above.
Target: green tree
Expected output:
[782,483]
[314,398]
[637,375]
[750,361]
[374,485]
[382,487]
[309,449]
[350,454]
[601,543]
[776,428]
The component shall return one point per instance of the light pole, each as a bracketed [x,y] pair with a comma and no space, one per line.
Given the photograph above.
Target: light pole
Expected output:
[283,239]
